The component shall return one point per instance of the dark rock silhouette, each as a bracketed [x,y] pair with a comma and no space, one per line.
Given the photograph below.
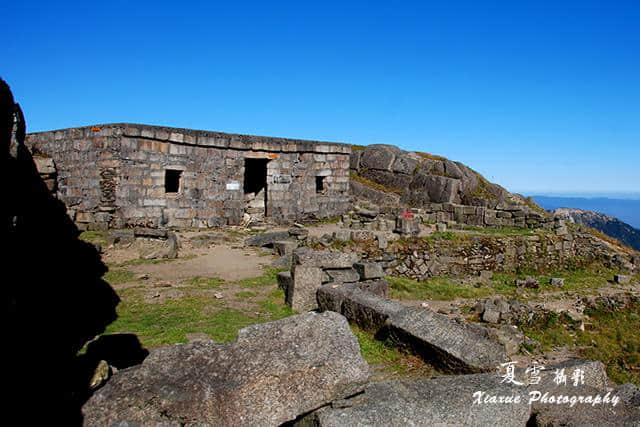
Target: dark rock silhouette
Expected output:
[53,297]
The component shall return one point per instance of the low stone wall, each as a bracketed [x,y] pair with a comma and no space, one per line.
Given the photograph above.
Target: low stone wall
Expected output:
[462,255]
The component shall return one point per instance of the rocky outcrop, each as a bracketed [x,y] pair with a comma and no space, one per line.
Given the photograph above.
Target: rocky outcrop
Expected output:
[419,179]
[608,225]
[272,374]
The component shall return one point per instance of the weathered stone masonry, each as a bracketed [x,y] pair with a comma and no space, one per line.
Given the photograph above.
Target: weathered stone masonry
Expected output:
[115,175]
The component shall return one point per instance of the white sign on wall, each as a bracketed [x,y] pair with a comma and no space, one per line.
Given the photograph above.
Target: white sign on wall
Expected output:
[233,185]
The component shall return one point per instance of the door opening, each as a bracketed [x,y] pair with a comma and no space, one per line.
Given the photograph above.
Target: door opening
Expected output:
[255,188]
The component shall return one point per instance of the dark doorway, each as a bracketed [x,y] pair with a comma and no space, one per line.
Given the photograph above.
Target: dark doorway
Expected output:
[255,187]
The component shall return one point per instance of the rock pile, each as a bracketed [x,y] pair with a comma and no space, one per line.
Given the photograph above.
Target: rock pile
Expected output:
[313,269]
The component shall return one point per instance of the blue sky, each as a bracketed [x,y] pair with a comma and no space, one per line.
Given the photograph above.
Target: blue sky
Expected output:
[539,96]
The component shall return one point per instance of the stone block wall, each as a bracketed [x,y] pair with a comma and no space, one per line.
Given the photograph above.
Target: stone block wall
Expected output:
[114,175]
[501,216]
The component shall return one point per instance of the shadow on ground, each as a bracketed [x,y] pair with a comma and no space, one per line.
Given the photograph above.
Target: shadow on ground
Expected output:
[53,297]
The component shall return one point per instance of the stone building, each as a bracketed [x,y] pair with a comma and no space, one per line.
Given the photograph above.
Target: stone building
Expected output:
[127,175]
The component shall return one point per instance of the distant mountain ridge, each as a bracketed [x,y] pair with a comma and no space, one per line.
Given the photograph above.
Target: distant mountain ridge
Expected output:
[626,210]
[607,224]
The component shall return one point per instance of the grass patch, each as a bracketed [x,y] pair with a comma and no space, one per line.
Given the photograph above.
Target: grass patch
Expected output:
[437,288]
[275,307]
[529,202]
[611,336]
[328,220]
[245,294]
[446,288]
[551,332]
[430,156]
[118,276]
[204,282]
[99,237]
[169,321]
[499,231]
[391,358]
[578,279]
[483,190]
[268,278]
[614,340]
[612,241]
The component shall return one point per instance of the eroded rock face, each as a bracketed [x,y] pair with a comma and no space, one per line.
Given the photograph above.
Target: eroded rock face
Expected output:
[422,179]
[273,373]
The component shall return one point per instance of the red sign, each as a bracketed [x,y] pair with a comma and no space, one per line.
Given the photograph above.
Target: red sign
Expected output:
[407,215]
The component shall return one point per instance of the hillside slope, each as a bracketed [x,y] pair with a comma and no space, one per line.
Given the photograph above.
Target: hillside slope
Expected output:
[607,224]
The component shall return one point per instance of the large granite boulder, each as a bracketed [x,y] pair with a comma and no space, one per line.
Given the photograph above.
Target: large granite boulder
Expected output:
[420,179]
[272,374]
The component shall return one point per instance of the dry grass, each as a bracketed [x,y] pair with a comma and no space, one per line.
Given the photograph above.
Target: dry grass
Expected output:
[374,185]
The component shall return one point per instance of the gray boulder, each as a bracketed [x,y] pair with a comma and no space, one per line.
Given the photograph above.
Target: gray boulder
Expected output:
[272,374]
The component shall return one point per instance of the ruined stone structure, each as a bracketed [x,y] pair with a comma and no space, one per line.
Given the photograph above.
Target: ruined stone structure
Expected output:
[126,175]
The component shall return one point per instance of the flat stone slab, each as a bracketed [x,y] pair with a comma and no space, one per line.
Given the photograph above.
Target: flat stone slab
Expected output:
[442,401]
[272,374]
[343,275]
[452,346]
[267,239]
[324,259]
[465,400]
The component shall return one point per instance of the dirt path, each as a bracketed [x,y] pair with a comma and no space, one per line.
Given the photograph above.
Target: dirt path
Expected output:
[224,261]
